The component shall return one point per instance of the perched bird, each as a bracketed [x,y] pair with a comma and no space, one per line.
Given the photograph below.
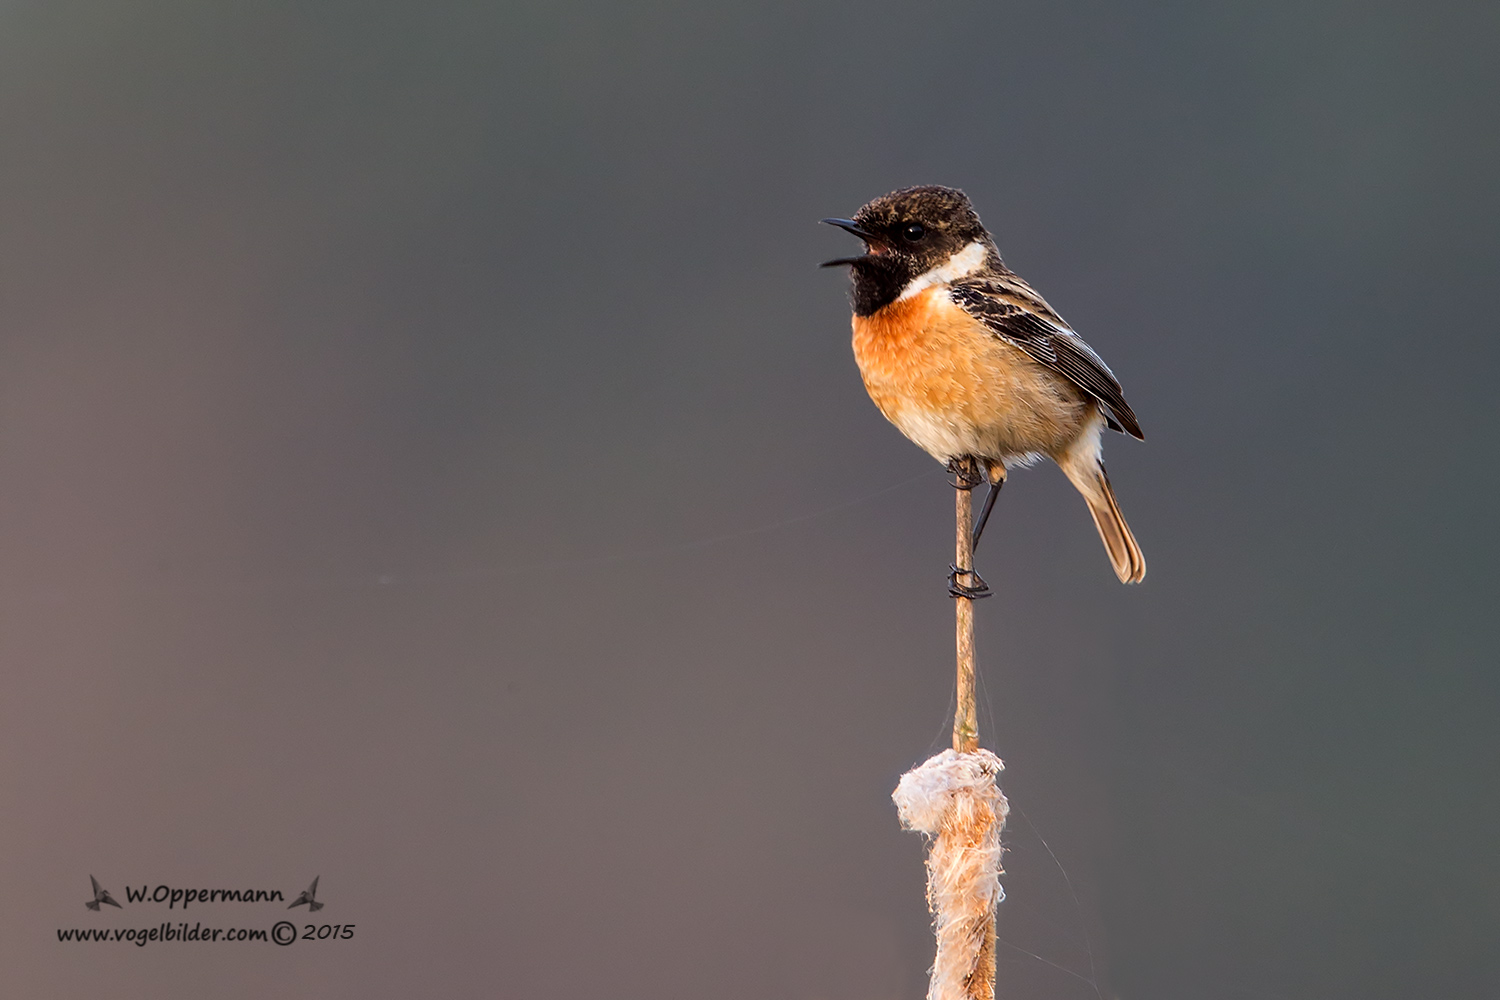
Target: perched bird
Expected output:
[101,895]
[309,896]
[970,363]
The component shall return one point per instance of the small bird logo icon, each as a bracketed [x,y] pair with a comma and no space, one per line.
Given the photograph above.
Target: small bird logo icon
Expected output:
[101,895]
[309,896]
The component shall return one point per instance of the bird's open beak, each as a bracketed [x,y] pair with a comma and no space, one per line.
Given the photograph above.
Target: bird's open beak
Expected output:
[850,226]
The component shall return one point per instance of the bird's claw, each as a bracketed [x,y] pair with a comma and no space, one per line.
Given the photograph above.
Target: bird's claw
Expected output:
[966,474]
[956,589]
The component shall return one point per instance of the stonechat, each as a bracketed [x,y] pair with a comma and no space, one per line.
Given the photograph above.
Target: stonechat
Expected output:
[971,364]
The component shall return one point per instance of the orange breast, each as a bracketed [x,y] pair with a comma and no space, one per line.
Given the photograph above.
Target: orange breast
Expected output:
[919,352]
[955,388]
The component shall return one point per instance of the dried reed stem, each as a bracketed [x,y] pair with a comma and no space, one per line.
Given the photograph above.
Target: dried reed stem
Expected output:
[953,799]
[965,722]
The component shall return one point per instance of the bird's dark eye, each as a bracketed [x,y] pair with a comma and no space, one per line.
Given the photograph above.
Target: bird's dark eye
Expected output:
[912,232]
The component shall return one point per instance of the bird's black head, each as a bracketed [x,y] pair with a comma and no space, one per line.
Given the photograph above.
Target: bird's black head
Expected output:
[909,233]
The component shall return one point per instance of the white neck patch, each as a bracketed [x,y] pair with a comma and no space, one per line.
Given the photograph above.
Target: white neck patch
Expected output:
[963,263]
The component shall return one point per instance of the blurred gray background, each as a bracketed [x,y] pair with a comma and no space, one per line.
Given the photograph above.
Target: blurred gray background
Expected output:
[430,459]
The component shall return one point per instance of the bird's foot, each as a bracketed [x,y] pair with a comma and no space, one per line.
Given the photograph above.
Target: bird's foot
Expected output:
[974,593]
[966,473]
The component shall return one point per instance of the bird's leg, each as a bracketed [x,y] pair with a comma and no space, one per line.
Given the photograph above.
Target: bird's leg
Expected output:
[966,476]
[997,480]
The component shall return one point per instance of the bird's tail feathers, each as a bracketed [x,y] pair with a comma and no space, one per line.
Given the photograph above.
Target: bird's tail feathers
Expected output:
[1093,482]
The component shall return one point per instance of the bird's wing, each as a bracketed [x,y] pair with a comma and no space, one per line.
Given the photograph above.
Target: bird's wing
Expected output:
[1015,313]
[95,883]
[312,890]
